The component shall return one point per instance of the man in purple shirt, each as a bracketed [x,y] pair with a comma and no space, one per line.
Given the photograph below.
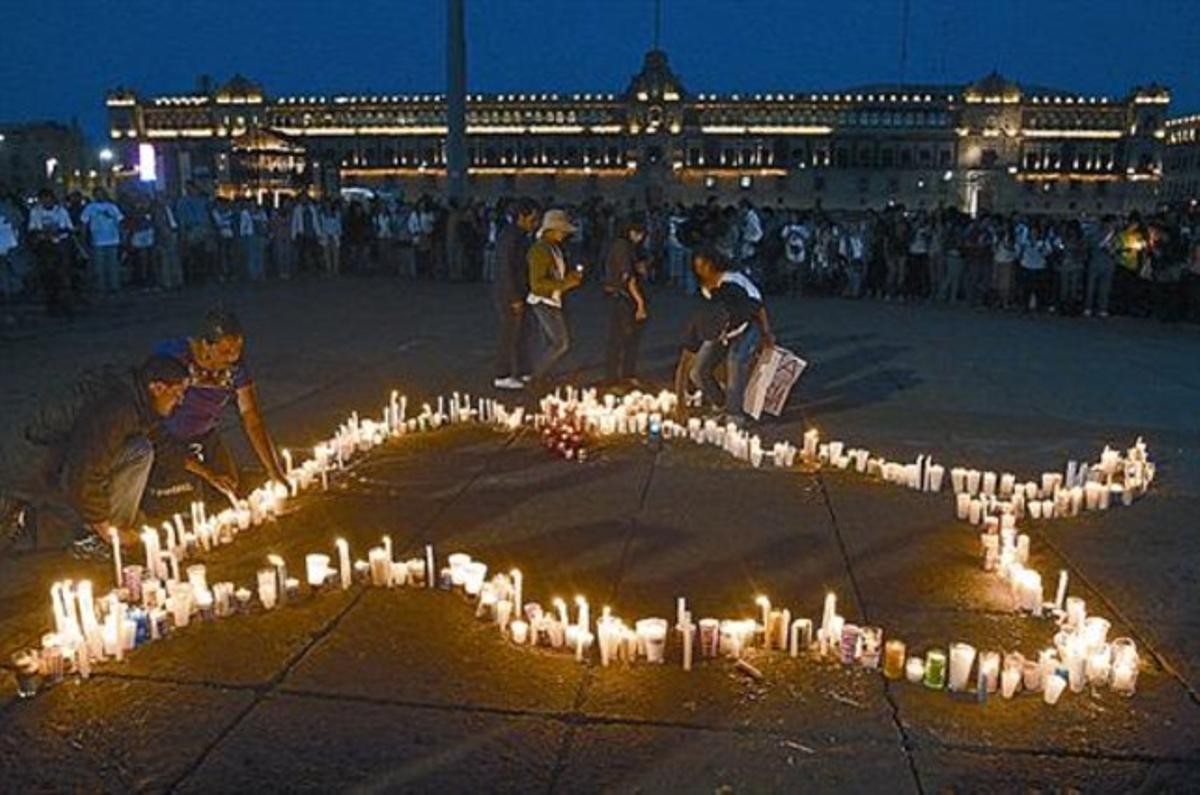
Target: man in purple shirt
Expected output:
[192,441]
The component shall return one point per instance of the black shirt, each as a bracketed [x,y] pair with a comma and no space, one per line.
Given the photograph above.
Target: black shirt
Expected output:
[739,305]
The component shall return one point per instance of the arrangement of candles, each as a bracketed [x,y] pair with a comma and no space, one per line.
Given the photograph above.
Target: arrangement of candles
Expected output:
[152,600]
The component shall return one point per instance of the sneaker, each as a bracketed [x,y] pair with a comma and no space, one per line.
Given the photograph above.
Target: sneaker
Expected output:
[91,547]
[508,382]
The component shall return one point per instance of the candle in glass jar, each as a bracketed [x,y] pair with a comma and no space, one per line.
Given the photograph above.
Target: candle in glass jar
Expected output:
[1052,688]
[914,669]
[935,669]
[893,659]
[989,669]
[962,657]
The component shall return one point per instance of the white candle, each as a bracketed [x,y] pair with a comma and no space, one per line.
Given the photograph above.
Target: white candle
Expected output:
[316,567]
[1009,679]
[561,607]
[1061,594]
[287,461]
[962,657]
[520,632]
[430,572]
[343,548]
[115,540]
[1052,688]
[584,614]
[764,605]
[688,629]
[518,581]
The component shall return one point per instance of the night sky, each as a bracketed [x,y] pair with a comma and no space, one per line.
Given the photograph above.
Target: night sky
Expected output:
[61,56]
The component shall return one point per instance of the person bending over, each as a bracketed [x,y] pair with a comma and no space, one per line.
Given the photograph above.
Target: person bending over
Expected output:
[747,332]
[192,440]
[99,454]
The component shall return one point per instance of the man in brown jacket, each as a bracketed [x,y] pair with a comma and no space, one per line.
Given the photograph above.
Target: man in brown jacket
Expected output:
[550,279]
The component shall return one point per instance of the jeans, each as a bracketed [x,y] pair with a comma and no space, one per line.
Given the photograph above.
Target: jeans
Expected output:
[738,353]
[1099,285]
[331,255]
[951,284]
[252,257]
[558,339]
[106,269]
[624,339]
[127,480]
[510,337]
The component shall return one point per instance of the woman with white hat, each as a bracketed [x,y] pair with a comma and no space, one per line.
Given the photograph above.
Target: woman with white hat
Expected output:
[549,280]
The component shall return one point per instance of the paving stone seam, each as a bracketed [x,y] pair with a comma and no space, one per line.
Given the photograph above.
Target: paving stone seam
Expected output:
[1062,753]
[564,748]
[567,717]
[272,686]
[906,744]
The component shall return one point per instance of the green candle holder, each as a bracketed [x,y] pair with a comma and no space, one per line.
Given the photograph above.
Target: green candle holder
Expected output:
[935,669]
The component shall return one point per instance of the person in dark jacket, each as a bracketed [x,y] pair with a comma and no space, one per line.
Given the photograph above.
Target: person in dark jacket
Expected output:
[624,271]
[107,454]
[509,291]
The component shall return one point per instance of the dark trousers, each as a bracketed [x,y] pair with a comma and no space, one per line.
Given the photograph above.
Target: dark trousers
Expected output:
[511,359]
[1035,283]
[171,485]
[624,339]
[54,275]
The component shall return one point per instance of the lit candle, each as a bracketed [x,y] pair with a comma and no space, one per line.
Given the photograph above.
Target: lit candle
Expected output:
[561,606]
[520,632]
[287,461]
[584,614]
[343,548]
[893,659]
[430,571]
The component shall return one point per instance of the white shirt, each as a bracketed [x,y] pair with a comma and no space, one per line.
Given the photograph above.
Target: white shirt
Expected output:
[560,270]
[103,220]
[55,220]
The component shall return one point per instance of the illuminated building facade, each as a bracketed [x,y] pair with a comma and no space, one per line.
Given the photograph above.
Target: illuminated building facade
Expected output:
[991,144]
[1181,169]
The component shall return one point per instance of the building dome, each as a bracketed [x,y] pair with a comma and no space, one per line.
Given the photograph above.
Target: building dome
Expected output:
[995,87]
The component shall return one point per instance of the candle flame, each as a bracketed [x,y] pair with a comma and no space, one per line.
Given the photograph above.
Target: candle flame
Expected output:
[275,560]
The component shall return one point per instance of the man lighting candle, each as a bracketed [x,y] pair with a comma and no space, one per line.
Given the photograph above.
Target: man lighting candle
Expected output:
[192,442]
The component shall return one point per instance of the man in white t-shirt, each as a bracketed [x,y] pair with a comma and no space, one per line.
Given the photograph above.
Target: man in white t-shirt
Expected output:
[50,231]
[102,220]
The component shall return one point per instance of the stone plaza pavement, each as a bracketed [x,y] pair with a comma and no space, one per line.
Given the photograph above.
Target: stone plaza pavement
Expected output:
[403,690]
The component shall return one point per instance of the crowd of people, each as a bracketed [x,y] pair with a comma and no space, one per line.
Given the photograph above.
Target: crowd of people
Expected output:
[152,432]
[77,251]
